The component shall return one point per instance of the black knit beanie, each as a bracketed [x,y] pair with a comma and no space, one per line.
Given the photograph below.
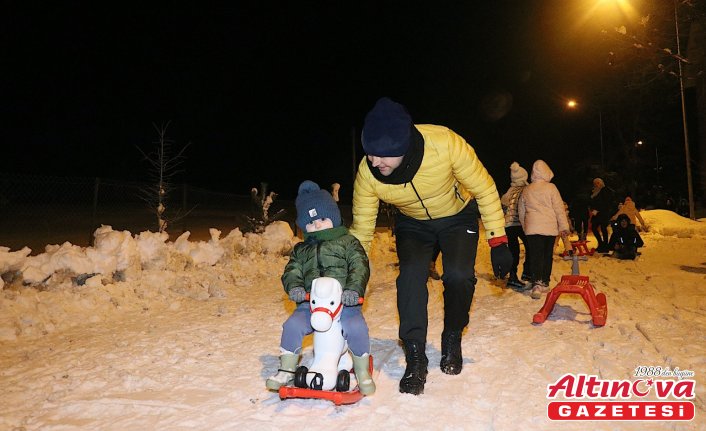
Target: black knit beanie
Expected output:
[387,129]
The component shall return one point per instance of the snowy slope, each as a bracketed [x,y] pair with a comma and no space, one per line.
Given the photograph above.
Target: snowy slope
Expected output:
[182,335]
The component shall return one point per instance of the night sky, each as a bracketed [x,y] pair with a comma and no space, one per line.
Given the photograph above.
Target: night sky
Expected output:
[277,91]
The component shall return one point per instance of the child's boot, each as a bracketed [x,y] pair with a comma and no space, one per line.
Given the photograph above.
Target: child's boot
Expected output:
[361,366]
[285,374]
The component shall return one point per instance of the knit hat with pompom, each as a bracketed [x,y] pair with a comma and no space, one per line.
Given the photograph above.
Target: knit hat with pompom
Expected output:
[313,203]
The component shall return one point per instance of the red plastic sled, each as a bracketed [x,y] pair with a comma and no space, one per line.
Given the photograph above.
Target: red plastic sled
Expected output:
[336,397]
[577,284]
[579,248]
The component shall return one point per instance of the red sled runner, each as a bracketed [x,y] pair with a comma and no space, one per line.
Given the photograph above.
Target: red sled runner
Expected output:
[342,394]
[577,284]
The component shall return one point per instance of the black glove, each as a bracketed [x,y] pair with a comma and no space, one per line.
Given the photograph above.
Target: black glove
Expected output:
[349,298]
[297,294]
[501,259]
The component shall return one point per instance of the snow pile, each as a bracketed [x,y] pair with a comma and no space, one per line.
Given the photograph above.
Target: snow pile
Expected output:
[669,223]
[67,284]
[11,262]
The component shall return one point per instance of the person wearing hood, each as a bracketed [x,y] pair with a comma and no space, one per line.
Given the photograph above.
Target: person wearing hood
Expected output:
[513,227]
[629,209]
[440,188]
[543,217]
[624,241]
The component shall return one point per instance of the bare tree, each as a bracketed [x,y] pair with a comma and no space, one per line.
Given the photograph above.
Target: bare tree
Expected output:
[163,167]
[262,201]
[650,50]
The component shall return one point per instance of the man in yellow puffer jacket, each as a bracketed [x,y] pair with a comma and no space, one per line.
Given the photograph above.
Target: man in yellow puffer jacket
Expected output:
[440,188]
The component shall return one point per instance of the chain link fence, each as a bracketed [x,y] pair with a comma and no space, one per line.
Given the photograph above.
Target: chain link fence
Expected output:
[39,210]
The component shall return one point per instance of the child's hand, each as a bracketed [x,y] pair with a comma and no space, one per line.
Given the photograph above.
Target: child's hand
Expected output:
[349,298]
[297,294]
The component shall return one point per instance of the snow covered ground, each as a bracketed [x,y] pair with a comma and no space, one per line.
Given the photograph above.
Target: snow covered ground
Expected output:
[139,333]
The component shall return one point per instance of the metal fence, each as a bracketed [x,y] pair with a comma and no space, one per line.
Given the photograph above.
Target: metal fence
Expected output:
[36,210]
[40,210]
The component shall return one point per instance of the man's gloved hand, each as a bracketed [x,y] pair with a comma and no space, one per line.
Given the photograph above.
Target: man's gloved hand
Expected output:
[500,256]
[297,294]
[349,298]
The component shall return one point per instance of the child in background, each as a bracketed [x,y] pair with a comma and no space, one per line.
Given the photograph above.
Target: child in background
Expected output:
[328,250]
[543,217]
[565,237]
[513,226]
[624,241]
[628,208]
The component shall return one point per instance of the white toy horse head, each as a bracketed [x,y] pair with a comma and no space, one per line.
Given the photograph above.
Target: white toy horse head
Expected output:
[325,303]
[331,353]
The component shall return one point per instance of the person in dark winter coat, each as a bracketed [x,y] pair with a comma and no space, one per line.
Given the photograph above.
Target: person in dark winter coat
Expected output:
[579,208]
[328,250]
[625,240]
[513,227]
[440,189]
[602,208]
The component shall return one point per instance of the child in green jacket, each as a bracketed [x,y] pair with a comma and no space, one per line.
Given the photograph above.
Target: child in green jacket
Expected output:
[328,250]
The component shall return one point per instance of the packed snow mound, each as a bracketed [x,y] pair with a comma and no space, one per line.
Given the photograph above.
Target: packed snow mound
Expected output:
[669,223]
[68,284]
[11,261]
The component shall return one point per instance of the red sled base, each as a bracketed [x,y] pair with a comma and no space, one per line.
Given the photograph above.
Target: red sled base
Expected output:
[338,398]
[577,284]
[578,248]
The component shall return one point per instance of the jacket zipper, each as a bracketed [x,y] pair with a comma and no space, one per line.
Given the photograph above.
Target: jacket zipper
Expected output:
[421,200]
[318,261]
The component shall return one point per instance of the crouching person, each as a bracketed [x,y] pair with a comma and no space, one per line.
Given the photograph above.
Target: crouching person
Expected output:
[328,250]
[625,240]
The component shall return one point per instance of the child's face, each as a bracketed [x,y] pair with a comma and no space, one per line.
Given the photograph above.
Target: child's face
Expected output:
[319,224]
[623,223]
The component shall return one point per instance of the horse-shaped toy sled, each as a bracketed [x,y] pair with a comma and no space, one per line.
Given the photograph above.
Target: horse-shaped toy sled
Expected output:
[329,376]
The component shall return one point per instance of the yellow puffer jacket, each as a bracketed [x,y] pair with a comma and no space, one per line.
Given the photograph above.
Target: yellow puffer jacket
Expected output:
[449,177]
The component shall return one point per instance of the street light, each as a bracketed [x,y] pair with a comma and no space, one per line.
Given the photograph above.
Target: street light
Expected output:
[639,144]
[573,104]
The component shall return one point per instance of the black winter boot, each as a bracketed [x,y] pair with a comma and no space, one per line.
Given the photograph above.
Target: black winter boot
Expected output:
[451,357]
[415,375]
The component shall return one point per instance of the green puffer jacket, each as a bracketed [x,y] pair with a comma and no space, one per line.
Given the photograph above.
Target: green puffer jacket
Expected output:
[328,253]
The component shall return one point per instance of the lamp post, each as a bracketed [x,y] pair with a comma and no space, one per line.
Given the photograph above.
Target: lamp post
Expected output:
[573,104]
[689,184]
